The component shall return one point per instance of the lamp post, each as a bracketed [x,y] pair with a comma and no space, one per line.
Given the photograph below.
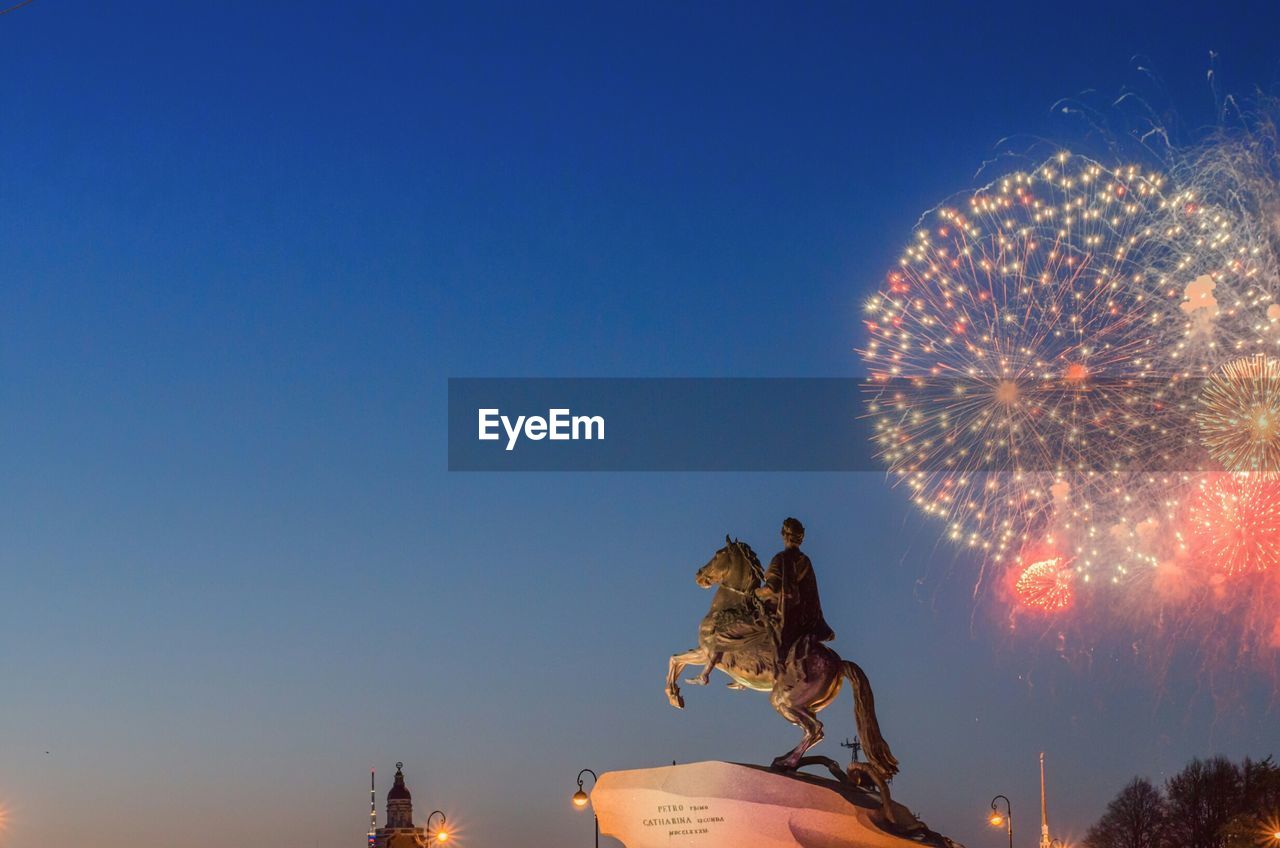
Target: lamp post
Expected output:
[441,834]
[581,799]
[1006,820]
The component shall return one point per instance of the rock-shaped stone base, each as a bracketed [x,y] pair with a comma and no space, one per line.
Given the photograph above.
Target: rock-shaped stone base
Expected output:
[724,805]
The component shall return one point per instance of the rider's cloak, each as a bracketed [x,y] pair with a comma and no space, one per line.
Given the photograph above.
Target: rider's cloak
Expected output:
[799,608]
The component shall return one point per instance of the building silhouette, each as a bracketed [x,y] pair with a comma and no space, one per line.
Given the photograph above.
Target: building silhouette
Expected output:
[399,830]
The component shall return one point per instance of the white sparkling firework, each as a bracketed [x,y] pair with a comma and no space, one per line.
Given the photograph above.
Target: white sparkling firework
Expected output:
[1061,365]
[1021,351]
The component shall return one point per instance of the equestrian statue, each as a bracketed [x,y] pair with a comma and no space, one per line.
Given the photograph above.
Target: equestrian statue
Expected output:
[767,632]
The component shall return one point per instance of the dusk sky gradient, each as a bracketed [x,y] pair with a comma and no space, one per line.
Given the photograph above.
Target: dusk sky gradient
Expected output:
[245,245]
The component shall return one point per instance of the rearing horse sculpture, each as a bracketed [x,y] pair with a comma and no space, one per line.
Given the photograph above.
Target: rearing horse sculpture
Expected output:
[738,637]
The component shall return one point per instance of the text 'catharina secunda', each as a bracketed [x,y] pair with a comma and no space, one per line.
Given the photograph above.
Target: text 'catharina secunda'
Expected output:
[559,425]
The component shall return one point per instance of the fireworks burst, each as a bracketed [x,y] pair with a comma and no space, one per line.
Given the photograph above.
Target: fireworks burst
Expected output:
[1046,585]
[1239,417]
[1234,523]
[1067,360]
[1026,335]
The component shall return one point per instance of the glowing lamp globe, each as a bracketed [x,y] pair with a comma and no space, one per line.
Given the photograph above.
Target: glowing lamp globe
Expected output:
[580,799]
[996,819]
[442,836]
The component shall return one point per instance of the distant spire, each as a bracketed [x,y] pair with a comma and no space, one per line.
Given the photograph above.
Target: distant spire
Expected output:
[1045,842]
[373,808]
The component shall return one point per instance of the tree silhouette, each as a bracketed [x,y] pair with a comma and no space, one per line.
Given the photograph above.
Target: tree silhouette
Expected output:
[1201,800]
[1259,821]
[1209,804]
[1135,818]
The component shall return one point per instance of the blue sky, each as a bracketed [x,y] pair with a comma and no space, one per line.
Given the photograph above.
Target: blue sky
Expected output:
[244,246]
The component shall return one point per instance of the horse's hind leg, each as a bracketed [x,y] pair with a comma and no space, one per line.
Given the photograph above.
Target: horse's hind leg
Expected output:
[708,667]
[677,665]
[804,718]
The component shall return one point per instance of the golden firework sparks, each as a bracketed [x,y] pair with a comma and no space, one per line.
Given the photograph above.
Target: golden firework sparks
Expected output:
[1046,585]
[1239,415]
[1032,333]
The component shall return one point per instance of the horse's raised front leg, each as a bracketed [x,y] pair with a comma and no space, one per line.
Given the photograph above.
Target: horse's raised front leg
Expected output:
[707,667]
[804,718]
[677,665]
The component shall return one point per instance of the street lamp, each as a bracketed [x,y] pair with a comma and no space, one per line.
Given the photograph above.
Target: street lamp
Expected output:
[1006,819]
[581,799]
[441,834]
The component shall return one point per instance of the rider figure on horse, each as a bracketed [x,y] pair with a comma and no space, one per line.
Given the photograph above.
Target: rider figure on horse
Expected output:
[791,590]
[768,638]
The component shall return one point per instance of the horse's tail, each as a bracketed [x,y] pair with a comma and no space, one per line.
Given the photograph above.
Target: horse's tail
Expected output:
[864,711]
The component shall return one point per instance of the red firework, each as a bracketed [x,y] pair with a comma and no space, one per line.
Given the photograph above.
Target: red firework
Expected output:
[1046,585]
[1233,523]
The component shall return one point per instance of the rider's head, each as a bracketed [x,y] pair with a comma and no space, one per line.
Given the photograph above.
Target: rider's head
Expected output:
[792,533]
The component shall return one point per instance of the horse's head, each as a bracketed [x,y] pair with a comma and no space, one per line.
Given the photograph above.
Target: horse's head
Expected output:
[735,565]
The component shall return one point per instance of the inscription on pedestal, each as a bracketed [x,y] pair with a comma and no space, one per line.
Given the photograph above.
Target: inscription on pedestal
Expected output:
[723,805]
[684,819]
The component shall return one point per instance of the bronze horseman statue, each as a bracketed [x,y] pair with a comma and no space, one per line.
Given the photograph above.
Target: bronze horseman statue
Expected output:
[766,631]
